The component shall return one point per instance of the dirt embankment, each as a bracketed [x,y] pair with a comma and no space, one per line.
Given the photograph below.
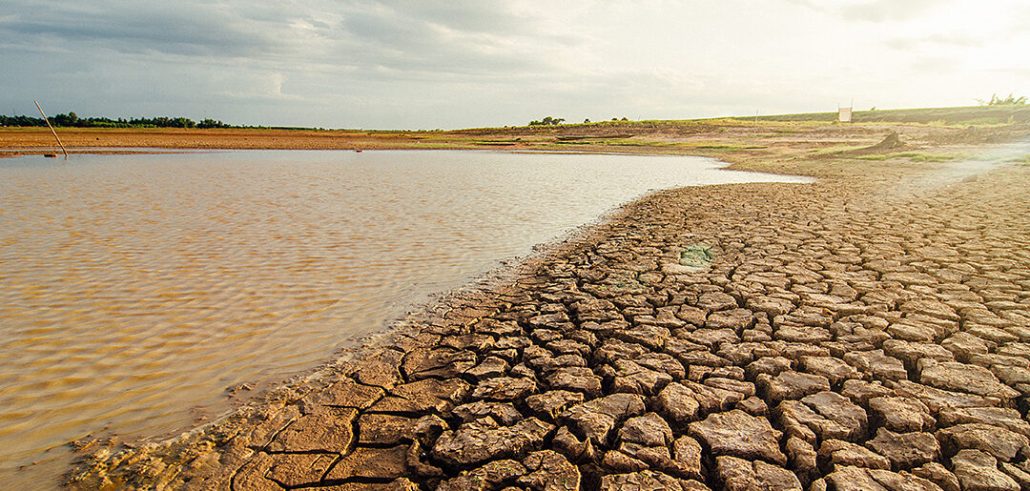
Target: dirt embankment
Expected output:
[857,333]
[717,137]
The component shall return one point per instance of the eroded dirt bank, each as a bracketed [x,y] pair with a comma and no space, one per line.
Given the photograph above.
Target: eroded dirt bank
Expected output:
[870,331]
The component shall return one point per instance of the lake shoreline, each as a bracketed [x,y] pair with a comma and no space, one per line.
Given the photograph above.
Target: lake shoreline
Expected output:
[274,261]
[494,376]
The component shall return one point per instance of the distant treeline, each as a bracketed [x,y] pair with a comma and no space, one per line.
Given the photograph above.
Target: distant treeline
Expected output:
[73,120]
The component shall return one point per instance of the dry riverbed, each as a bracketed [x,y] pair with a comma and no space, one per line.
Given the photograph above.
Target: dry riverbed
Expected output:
[868,331]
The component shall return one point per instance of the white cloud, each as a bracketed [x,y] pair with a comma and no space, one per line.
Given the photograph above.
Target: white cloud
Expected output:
[428,64]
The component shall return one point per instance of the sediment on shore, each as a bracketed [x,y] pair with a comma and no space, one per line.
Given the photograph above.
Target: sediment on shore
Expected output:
[868,331]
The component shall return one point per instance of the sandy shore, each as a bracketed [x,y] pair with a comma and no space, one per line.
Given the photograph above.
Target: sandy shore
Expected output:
[869,331]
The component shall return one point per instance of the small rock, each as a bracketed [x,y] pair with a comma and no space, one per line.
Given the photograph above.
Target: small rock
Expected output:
[964,345]
[791,385]
[919,333]
[652,337]
[901,414]
[1007,418]
[842,453]
[905,450]
[678,403]
[1018,473]
[716,301]
[553,403]
[390,429]
[861,391]
[619,461]
[911,353]
[596,418]
[504,389]
[769,365]
[687,453]
[978,471]
[859,479]
[1000,443]
[648,430]
[803,459]
[572,447]
[735,319]
[753,406]
[661,362]
[633,378]
[826,415]
[739,434]
[743,475]
[744,388]
[940,476]
[577,379]
[484,478]
[479,441]
[647,480]
[849,420]
[834,369]
[877,364]
[938,399]
[492,366]
[502,412]
[549,471]
[962,377]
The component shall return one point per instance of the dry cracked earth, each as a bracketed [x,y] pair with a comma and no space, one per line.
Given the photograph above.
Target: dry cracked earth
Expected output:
[853,334]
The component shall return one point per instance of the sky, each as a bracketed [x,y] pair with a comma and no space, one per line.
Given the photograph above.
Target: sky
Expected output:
[426,64]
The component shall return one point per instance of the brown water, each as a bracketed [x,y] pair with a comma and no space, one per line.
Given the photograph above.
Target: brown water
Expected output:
[136,288]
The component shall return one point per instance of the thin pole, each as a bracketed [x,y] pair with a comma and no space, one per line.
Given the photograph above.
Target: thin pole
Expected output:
[52,130]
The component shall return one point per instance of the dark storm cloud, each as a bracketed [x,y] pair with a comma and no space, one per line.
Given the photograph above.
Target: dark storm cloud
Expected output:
[130,27]
[442,37]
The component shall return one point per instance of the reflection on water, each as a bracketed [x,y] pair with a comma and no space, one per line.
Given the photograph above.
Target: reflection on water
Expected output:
[136,288]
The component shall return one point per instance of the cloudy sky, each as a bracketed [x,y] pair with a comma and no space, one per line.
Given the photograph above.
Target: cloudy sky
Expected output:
[450,64]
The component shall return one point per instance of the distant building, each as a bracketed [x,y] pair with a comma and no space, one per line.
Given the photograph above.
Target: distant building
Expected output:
[844,114]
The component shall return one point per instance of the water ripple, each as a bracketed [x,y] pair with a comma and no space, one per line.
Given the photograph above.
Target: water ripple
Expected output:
[137,287]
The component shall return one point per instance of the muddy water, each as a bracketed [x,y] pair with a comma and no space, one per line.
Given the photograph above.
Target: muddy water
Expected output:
[136,288]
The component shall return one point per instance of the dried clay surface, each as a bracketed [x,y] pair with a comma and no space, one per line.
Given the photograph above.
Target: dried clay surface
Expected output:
[870,331]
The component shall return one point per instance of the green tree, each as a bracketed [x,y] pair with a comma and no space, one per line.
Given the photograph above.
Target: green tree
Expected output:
[547,121]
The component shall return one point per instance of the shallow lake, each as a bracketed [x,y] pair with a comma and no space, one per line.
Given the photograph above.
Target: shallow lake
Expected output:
[137,288]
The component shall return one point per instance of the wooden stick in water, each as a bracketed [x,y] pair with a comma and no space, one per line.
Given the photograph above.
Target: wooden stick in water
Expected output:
[52,130]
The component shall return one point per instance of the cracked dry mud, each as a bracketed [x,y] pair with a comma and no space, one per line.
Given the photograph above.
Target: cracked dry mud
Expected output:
[850,334]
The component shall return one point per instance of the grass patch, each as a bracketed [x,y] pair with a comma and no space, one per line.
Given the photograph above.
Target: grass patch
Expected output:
[729,147]
[724,147]
[837,149]
[940,116]
[875,158]
[912,156]
[1024,160]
